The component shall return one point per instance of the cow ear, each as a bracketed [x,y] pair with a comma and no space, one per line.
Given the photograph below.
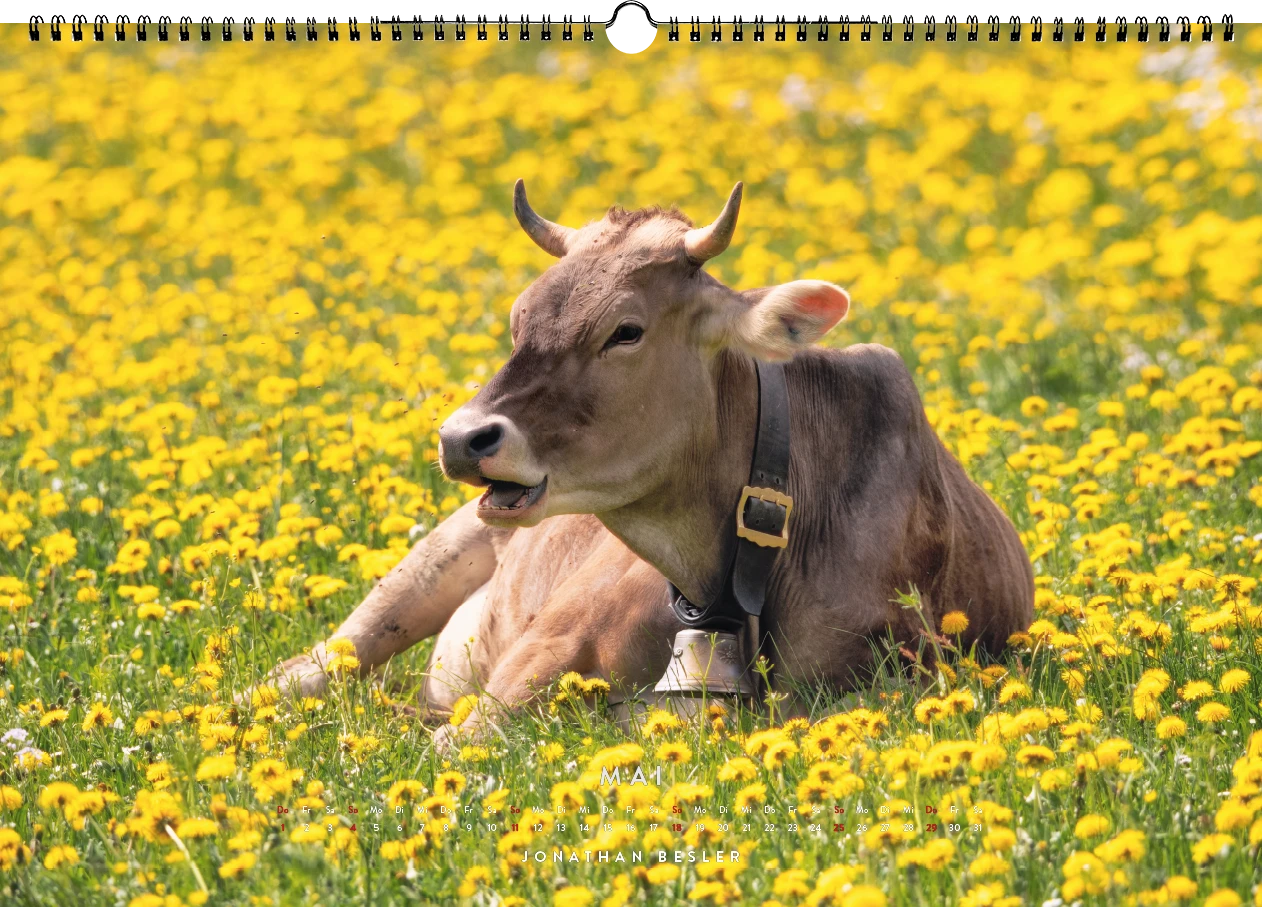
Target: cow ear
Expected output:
[780,321]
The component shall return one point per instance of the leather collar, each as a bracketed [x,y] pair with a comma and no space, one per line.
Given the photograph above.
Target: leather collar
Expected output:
[762,517]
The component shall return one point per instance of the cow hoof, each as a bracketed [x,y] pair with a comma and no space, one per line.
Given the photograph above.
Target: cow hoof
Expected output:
[422,713]
[299,677]
[448,739]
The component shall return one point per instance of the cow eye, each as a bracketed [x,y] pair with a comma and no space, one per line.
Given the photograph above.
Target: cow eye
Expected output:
[625,334]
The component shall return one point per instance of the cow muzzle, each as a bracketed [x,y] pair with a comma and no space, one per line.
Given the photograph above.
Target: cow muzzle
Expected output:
[489,452]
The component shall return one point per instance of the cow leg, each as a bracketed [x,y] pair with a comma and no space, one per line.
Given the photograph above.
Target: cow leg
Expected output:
[609,620]
[412,602]
[459,663]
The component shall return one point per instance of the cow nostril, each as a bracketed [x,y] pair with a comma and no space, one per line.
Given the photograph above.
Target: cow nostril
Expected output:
[487,441]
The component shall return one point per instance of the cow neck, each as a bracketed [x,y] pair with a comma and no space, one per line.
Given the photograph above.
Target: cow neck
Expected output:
[686,528]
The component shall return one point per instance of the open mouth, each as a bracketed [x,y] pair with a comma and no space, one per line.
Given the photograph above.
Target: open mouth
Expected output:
[507,498]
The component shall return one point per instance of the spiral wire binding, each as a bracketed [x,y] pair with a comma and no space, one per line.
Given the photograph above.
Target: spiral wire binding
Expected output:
[801,26]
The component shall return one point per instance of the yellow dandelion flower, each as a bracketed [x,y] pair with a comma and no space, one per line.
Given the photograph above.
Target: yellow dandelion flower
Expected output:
[449,783]
[1212,847]
[238,866]
[674,751]
[662,874]
[1213,713]
[52,717]
[1126,846]
[98,716]
[474,877]
[10,798]
[462,709]
[60,855]
[659,721]
[989,864]
[1233,816]
[151,611]
[1033,407]
[1223,897]
[567,795]
[862,896]
[738,768]
[750,795]
[572,896]
[777,753]
[404,791]
[1084,873]
[1196,689]
[1234,680]
[1035,755]
[953,623]
[190,829]
[214,767]
[1091,826]
[1171,726]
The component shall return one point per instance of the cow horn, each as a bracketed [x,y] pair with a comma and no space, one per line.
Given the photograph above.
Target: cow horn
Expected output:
[704,243]
[552,238]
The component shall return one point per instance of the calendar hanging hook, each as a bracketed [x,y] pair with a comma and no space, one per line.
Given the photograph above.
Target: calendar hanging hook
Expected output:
[653,22]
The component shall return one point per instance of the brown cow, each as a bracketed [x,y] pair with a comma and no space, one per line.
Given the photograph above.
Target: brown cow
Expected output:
[614,444]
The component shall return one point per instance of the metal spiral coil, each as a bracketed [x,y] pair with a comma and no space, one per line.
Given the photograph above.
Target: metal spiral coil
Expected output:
[823,27]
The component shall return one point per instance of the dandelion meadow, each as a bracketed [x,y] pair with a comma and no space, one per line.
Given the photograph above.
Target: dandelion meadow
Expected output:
[241,285]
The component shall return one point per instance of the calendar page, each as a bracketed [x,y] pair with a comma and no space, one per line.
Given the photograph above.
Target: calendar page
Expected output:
[449,461]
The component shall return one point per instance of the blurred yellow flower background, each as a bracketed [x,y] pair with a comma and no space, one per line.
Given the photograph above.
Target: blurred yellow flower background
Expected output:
[242,285]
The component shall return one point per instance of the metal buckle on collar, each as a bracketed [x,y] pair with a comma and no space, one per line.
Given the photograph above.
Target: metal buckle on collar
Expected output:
[771,496]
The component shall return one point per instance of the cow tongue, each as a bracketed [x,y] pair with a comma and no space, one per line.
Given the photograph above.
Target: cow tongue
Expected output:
[506,494]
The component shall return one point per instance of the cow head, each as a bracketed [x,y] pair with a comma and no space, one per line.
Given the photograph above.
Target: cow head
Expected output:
[610,377]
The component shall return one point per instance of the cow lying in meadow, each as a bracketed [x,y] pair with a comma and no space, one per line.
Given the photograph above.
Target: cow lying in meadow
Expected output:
[613,446]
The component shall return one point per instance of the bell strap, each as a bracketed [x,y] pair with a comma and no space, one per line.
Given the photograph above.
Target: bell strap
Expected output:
[762,516]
